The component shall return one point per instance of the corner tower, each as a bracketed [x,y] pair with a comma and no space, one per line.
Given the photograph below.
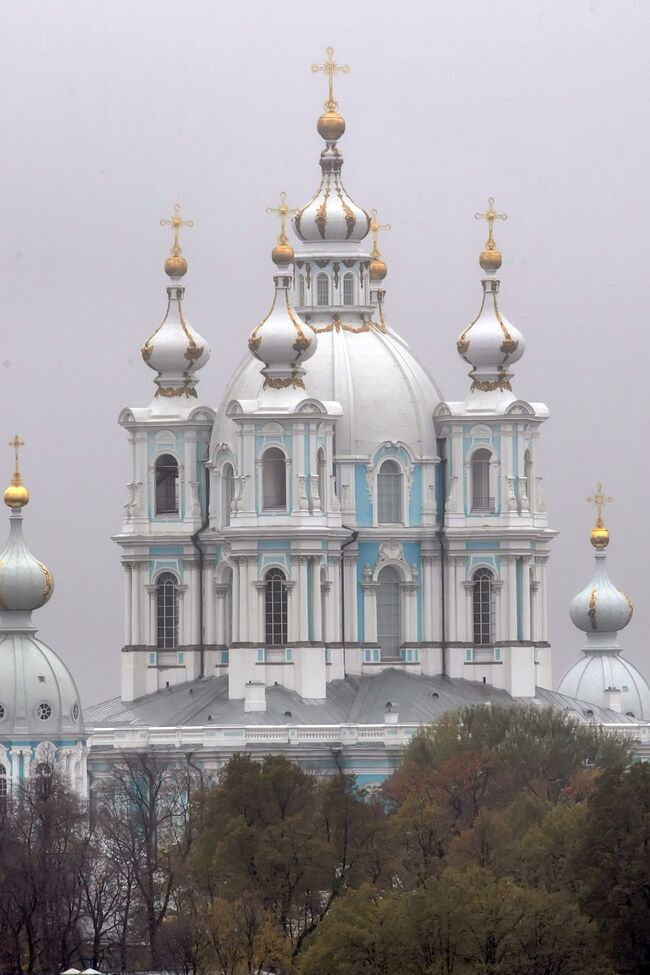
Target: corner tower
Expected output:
[167,503]
[494,533]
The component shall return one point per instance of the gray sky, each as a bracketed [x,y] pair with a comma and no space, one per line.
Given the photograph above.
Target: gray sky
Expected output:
[112,111]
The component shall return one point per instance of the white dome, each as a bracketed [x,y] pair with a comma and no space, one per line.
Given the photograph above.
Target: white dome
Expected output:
[596,675]
[384,392]
[600,607]
[38,696]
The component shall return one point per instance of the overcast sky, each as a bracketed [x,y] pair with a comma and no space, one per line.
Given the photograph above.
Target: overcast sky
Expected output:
[112,111]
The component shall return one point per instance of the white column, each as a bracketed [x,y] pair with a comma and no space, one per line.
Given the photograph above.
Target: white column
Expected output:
[334,628]
[259,635]
[525,599]
[127,604]
[511,583]
[136,637]
[452,598]
[235,601]
[209,621]
[542,625]
[316,604]
[303,600]
[468,635]
[243,599]
[221,607]
[152,636]
[370,611]
[427,598]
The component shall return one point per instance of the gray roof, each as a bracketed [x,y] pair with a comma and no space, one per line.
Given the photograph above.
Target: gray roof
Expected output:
[352,700]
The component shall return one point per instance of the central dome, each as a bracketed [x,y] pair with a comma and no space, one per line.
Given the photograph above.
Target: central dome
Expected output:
[385,393]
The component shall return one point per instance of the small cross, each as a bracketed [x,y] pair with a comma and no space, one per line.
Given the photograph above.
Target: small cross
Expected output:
[490,215]
[330,68]
[17,443]
[176,223]
[599,500]
[375,227]
[283,211]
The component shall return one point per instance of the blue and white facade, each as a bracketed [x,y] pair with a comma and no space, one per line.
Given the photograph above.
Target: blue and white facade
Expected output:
[335,515]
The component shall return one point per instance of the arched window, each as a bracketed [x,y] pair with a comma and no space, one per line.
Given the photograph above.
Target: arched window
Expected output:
[389,617]
[481,500]
[483,608]
[389,494]
[276,608]
[274,480]
[43,779]
[227,492]
[167,611]
[528,473]
[166,485]
[4,789]
[322,479]
[348,289]
[301,289]
[322,290]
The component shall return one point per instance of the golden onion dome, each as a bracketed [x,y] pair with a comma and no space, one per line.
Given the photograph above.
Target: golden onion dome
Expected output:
[331,125]
[176,266]
[490,259]
[282,254]
[377,269]
[599,537]
[16,495]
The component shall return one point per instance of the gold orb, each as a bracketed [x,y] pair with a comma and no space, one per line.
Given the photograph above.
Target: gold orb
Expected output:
[175,266]
[599,537]
[16,496]
[490,260]
[331,126]
[377,270]
[282,254]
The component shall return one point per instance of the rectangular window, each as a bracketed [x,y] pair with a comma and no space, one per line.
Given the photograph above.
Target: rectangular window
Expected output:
[225,656]
[261,655]
[497,655]
[328,656]
[469,656]
[371,656]
[288,655]
[181,658]
[153,659]
[410,655]
[348,290]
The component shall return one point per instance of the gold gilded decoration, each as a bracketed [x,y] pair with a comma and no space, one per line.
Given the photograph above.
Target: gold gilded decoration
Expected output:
[283,211]
[47,591]
[463,344]
[321,215]
[176,222]
[375,229]
[171,391]
[599,533]
[629,603]
[490,259]
[331,68]
[336,325]
[284,382]
[489,385]
[591,612]
[16,496]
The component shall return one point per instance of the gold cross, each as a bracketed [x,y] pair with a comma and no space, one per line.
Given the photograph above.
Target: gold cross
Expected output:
[17,443]
[599,500]
[283,211]
[331,68]
[176,223]
[490,215]
[375,227]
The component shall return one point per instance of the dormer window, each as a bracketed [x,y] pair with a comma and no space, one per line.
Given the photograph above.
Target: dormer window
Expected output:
[166,477]
[389,494]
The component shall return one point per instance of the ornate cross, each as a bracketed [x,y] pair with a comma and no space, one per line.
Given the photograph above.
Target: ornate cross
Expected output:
[375,227]
[599,500]
[17,443]
[330,68]
[490,215]
[176,222]
[283,211]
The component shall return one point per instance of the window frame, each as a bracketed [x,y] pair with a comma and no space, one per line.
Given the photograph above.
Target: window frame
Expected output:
[348,280]
[276,608]
[274,448]
[322,278]
[167,634]
[483,607]
[397,502]
[158,464]
[484,504]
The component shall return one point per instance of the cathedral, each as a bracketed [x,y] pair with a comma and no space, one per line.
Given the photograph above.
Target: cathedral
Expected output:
[333,556]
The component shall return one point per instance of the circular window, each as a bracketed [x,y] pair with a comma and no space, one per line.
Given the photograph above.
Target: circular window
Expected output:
[2,711]
[44,711]
[75,711]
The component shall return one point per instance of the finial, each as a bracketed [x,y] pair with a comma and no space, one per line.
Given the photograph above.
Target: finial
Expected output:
[490,259]
[282,253]
[16,495]
[331,124]
[176,265]
[599,534]
[377,269]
